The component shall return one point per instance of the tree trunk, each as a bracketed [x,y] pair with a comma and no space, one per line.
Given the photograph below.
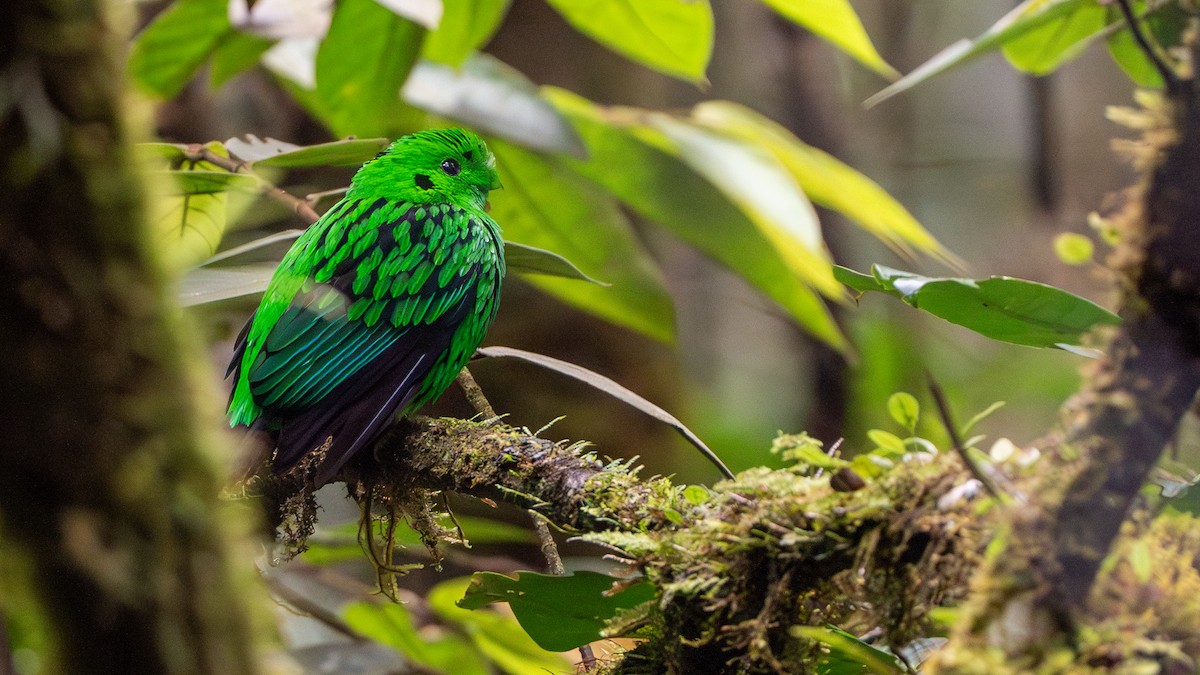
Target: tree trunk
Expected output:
[107,497]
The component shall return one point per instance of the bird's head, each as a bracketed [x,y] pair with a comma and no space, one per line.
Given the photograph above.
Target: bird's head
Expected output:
[432,167]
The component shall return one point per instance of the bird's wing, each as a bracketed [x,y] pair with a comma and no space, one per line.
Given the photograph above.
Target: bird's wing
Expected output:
[357,341]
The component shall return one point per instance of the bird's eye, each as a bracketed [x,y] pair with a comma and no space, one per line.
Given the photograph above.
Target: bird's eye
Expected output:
[450,167]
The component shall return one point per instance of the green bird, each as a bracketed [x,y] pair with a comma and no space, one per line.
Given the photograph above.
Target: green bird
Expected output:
[377,306]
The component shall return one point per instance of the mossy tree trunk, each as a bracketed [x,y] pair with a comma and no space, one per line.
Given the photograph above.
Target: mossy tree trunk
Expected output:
[107,499]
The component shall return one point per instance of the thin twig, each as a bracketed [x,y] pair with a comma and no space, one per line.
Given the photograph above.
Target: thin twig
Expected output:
[298,206]
[475,395]
[996,483]
[554,563]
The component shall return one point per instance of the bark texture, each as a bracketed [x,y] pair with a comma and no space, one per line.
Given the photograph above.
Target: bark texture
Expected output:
[107,497]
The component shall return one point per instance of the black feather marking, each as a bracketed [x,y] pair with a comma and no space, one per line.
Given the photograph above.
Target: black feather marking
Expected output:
[423,181]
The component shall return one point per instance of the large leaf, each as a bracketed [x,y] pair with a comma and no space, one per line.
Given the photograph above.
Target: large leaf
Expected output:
[559,612]
[612,388]
[489,96]
[212,284]
[465,26]
[172,48]
[532,260]
[1002,308]
[272,152]
[1046,47]
[671,36]
[762,188]
[544,206]
[360,66]
[1028,16]
[826,180]
[191,219]
[835,21]
[633,163]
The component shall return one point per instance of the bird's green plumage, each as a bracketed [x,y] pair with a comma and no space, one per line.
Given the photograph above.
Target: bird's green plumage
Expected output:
[379,304]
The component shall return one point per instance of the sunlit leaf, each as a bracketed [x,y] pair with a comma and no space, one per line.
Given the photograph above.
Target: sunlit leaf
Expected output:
[500,638]
[427,13]
[199,182]
[671,36]
[837,22]
[191,219]
[487,95]
[559,612]
[663,189]
[544,206]
[272,152]
[1073,248]
[1046,47]
[611,388]
[754,180]
[827,181]
[1026,17]
[1002,308]
[169,51]
[466,25]
[361,64]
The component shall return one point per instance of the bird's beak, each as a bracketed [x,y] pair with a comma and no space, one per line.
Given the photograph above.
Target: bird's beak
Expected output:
[495,184]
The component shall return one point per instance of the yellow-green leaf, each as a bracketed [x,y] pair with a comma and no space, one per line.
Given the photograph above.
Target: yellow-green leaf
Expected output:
[827,181]
[637,165]
[190,222]
[836,22]
[545,206]
[671,36]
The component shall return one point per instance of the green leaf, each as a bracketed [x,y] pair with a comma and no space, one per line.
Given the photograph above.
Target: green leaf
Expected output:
[191,220]
[1002,308]
[697,495]
[903,408]
[466,25]
[204,285]
[360,66]
[391,624]
[612,388]
[1165,23]
[170,50]
[544,206]
[200,182]
[835,21]
[559,612]
[845,648]
[499,638]
[663,189]
[272,152]
[492,97]
[237,53]
[1043,49]
[827,181]
[754,180]
[885,440]
[671,36]
[1026,17]
[531,260]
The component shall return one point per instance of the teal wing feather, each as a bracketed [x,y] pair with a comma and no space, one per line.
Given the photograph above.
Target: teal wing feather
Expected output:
[389,302]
